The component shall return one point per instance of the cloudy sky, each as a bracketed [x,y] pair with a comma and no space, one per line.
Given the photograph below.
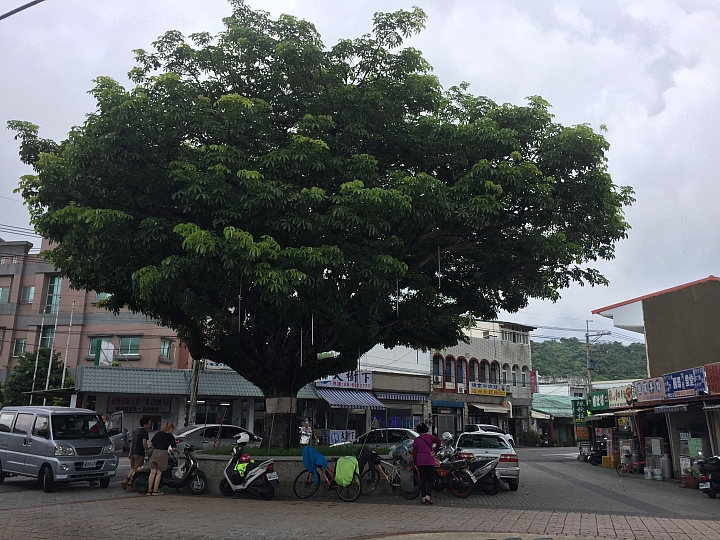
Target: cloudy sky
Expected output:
[648,70]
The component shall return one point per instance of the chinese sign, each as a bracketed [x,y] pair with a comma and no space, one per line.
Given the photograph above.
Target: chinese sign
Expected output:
[688,382]
[533,382]
[141,404]
[582,434]
[579,411]
[598,401]
[620,396]
[712,378]
[650,389]
[349,379]
[487,389]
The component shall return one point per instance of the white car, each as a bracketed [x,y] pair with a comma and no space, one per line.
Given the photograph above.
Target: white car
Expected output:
[489,428]
[208,436]
[486,445]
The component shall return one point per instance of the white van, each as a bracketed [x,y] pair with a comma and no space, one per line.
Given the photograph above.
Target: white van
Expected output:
[55,445]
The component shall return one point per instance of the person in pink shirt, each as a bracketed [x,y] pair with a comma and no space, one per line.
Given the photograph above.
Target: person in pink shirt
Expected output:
[423,450]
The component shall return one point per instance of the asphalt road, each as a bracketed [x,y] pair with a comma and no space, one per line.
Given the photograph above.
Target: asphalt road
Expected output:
[558,497]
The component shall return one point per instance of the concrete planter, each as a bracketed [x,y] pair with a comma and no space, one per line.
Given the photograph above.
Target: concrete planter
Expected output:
[287,467]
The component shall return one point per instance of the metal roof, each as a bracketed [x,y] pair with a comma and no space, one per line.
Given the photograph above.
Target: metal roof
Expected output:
[350,399]
[555,406]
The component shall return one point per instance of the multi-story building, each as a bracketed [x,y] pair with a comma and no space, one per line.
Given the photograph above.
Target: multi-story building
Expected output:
[485,381]
[38,308]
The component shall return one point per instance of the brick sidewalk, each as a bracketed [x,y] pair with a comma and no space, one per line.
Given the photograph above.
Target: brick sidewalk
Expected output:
[182,517]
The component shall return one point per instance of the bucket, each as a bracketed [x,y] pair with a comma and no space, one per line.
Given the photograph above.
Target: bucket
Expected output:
[657,474]
[648,474]
[666,466]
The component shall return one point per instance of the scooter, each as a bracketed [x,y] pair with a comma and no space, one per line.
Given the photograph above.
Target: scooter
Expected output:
[597,453]
[242,474]
[709,475]
[174,477]
[484,472]
[453,473]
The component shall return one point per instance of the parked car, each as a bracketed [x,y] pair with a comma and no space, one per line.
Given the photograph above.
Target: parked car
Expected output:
[56,445]
[209,436]
[489,428]
[483,445]
[382,437]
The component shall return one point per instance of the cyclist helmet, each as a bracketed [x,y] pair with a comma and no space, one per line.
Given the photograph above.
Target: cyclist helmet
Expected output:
[245,458]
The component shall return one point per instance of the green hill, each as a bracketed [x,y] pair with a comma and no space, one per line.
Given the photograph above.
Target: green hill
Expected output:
[568,357]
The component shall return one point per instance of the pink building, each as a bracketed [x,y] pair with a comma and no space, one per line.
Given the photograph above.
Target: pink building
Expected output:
[38,308]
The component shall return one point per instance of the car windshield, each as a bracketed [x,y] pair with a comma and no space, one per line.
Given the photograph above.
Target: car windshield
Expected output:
[482,441]
[78,426]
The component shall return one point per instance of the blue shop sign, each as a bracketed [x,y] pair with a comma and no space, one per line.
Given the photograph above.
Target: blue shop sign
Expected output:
[688,382]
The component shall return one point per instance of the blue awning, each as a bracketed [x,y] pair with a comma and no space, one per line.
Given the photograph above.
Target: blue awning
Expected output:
[350,399]
[454,404]
[401,397]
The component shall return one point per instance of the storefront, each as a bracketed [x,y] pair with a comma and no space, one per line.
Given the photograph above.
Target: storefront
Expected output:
[447,416]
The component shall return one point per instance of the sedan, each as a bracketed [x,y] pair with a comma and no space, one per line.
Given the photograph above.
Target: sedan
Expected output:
[208,436]
[490,428]
[491,445]
[383,437]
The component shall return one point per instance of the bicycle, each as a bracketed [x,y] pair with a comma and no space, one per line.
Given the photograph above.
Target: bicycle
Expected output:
[391,473]
[637,467]
[304,485]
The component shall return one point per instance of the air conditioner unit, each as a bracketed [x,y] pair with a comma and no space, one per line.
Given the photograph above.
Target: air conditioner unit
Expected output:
[461,388]
[437,379]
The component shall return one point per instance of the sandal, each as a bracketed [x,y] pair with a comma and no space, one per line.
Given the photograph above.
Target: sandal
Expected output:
[158,493]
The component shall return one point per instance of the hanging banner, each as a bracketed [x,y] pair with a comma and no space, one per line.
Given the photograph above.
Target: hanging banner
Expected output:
[533,382]
[487,389]
[582,434]
[579,411]
[650,389]
[712,378]
[688,382]
[598,401]
[350,379]
[620,396]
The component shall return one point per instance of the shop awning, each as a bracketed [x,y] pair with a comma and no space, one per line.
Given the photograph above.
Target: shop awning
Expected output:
[452,404]
[711,407]
[631,412]
[540,416]
[599,416]
[488,408]
[671,408]
[350,399]
[401,397]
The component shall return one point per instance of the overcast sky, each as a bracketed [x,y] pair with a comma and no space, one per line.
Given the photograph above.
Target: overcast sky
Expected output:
[648,70]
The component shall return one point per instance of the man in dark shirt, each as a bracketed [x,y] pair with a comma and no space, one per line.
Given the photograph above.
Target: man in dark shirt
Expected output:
[137,451]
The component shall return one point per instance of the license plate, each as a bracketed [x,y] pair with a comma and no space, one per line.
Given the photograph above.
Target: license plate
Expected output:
[272,476]
[472,476]
[704,485]
[90,464]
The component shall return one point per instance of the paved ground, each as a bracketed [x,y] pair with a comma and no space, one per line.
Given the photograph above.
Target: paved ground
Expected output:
[559,497]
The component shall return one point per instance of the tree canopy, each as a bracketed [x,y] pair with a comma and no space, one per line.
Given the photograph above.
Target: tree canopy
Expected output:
[271,198]
[21,377]
[614,361]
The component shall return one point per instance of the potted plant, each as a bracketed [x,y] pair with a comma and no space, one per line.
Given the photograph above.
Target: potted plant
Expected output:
[691,477]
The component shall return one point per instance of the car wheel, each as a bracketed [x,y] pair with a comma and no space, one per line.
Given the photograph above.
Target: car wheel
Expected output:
[104,482]
[2,474]
[514,485]
[47,480]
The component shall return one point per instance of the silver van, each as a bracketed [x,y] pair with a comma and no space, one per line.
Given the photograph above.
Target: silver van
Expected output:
[55,445]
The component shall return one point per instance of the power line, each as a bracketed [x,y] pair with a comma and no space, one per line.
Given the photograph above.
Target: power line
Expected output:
[19,9]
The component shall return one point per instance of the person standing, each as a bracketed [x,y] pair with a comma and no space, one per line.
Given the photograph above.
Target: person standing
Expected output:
[162,441]
[306,433]
[138,446]
[423,449]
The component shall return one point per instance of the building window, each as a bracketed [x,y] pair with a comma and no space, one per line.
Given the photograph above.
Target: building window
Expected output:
[19,346]
[130,345]
[165,349]
[494,373]
[52,303]
[102,296]
[3,260]
[523,379]
[504,379]
[514,379]
[47,338]
[4,295]
[14,259]
[27,294]
[484,371]
[474,375]
[449,370]
[437,362]
[506,335]
[94,343]
[460,371]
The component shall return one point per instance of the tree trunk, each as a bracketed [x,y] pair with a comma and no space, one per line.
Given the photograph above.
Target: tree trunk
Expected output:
[281,426]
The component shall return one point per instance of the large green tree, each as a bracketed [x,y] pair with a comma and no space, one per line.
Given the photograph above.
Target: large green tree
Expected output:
[21,377]
[338,195]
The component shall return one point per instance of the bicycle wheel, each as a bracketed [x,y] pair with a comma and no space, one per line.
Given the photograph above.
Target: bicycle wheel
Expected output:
[304,485]
[351,492]
[412,493]
[367,483]
[622,470]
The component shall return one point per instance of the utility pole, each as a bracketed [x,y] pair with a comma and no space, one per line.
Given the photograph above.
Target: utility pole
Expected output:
[589,361]
[67,346]
[193,391]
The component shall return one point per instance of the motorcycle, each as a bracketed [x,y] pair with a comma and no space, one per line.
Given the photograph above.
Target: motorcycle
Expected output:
[709,475]
[597,453]
[452,473]
[484,473]
[189,474]
[242,474]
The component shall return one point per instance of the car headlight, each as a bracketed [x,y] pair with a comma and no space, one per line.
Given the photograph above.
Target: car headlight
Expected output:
[64,451]
[108,449]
